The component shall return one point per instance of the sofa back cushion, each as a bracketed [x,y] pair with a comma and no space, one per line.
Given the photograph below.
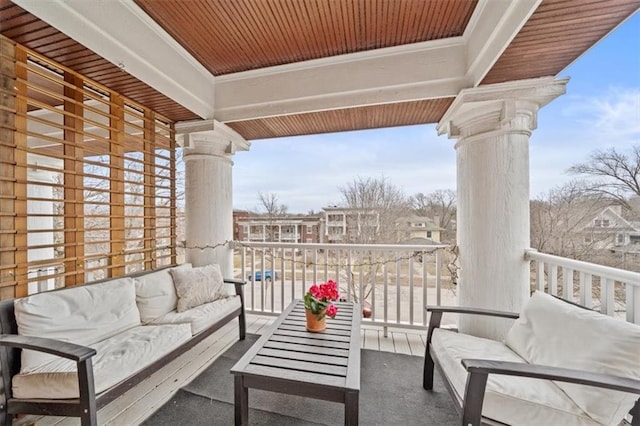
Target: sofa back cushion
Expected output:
[155,294]
[84,315]
[553,332]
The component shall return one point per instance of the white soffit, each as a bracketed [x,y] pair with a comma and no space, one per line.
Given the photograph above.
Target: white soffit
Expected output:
[122,33]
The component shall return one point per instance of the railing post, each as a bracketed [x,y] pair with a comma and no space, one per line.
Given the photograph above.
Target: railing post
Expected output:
[633,304]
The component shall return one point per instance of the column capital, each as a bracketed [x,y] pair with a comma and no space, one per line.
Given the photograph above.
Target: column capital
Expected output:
[209,137]
[501,108]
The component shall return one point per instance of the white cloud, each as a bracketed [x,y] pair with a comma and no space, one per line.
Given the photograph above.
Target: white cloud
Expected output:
[574,126]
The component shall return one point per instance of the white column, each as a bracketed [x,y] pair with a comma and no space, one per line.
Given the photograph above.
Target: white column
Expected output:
[493,125]
[208,193]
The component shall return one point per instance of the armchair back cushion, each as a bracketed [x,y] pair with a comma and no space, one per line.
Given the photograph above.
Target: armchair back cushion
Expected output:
[553,332]
[83,315]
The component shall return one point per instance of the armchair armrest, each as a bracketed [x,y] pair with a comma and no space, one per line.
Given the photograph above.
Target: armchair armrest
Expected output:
[479,370]
[51,346]
[437,311]
[234,281]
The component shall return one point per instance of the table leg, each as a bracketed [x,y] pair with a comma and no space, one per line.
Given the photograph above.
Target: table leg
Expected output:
[241,401]
[351,408]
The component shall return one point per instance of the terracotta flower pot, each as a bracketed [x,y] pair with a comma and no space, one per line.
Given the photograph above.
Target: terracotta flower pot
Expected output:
[315,325]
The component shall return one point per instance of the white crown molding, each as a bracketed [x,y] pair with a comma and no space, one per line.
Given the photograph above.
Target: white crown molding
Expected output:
[122,33]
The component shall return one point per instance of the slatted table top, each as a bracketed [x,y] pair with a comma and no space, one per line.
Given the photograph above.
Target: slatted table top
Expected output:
[287,352]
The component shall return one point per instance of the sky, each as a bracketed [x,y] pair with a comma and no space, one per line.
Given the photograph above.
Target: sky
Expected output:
[600,110]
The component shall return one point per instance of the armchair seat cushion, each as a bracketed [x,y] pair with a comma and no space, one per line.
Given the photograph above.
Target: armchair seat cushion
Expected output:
[510,400]
[117,358]
[203,316]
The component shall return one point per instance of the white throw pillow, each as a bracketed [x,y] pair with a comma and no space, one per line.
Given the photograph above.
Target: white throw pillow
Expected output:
[553,332]
[197,286]
[156,294]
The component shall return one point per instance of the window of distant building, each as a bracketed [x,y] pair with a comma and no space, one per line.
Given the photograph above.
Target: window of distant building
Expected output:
[428,234]
[309,229]
[597,223]
[605,223]
[418,224]
[245,229]
[309,240]
[620,239]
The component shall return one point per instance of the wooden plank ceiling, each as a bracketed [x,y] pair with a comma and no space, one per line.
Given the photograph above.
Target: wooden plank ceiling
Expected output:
[229,36]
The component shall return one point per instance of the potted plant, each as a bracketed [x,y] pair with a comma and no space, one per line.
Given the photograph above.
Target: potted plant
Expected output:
[318,305]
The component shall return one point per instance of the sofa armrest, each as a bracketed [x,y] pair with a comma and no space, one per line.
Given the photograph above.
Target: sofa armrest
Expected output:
[437,311]
[51,346]
[479,370]
[80,354]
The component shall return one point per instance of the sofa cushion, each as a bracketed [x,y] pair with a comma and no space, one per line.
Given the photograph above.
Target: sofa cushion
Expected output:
[203,316]
[117,358]
[510,400]
[84,315]
[197,286]
[156,294]
[553,332]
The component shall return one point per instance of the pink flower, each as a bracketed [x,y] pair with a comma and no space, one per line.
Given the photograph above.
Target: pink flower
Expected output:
[332,310]
[316,291]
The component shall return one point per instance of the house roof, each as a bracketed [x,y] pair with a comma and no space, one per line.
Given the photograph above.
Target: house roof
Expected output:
[272,68]
[619,223]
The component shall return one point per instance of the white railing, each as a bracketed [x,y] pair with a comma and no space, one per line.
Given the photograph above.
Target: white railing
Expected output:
[615,292]
[393,281]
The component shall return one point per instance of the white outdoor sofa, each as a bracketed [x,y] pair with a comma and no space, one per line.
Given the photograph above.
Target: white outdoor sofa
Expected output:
[71,351]
[560,364]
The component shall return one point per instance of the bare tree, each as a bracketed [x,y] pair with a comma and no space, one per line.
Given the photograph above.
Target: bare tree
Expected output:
[374,206]
[559,219]
[272,210]
[439,205]
[269,202]
[612,173]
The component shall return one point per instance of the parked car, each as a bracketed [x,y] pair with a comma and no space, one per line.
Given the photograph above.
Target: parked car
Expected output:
[267,275]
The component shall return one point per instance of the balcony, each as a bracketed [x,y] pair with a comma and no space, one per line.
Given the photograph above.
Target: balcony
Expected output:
[398,321]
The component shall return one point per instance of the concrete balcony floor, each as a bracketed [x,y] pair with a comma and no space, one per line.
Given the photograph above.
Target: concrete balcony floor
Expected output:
[140,402]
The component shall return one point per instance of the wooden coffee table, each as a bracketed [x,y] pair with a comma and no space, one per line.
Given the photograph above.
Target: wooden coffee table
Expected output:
[288,359]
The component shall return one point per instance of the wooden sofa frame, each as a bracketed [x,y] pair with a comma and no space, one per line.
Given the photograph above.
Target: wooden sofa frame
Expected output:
[89,403]
[470,407]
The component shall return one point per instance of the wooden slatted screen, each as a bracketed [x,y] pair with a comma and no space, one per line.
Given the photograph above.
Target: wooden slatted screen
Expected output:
[87,180]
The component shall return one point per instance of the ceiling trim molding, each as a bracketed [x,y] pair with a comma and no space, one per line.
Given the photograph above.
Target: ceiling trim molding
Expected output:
[125,35]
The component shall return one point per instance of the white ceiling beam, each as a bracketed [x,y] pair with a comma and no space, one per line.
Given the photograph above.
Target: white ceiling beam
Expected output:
[417,71]
[492,27]
[123,34]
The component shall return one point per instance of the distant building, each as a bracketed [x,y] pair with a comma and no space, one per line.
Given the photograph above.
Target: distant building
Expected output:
[345,225]
[281,229]
[609,230]
[418,229]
